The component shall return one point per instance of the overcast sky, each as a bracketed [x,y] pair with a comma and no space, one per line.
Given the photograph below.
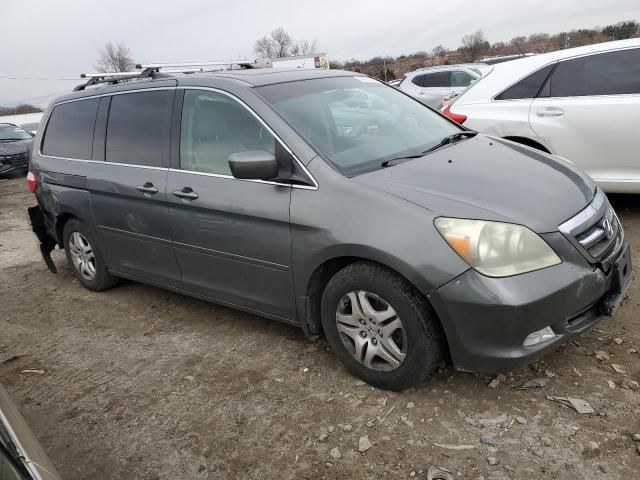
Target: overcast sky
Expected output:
[60,38]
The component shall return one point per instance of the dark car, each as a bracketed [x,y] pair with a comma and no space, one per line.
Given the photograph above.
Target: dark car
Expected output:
[14,149]
[401,236]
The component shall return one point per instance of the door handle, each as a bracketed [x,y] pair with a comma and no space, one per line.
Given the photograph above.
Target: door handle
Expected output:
[186,193]
[550,112]
[147,188]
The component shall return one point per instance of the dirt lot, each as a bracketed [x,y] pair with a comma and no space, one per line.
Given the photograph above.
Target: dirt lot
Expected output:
[140,383]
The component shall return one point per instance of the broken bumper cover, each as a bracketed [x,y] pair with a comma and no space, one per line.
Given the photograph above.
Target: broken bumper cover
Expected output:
[487,320]
[45,242]
[9,164]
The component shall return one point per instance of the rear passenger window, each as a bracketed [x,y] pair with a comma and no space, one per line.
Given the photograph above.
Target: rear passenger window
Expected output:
[527,87]
[138,128]
[69,131]
[215,126]
[611,73]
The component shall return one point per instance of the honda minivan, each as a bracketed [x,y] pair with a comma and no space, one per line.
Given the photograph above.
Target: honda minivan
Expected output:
[330,201]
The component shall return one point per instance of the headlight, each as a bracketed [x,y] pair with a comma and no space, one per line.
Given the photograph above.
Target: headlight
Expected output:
[496,249]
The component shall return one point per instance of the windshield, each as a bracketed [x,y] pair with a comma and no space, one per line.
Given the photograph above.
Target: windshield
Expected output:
[12,132]
[356,122]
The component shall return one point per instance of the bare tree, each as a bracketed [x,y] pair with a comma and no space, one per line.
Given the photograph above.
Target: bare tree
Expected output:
[439,51]
[303,47]
[474,45]
[264,47]
[282,42]
[279,44]
[114,58]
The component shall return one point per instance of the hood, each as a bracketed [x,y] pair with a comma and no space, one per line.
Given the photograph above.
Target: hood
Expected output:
[491,179]
[17,146]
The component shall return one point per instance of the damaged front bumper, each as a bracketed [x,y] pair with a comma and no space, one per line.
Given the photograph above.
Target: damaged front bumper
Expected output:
[501,324]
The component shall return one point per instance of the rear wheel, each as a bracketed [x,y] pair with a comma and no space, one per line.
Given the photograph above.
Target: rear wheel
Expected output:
[84,258]
[380,327]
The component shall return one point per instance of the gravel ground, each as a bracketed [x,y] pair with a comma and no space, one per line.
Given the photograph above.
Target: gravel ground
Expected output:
[141,383]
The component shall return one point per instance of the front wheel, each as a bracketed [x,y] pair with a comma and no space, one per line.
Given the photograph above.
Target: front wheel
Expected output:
[380,327]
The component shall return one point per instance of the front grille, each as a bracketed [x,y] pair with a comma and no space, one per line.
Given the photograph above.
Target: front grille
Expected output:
[595,231]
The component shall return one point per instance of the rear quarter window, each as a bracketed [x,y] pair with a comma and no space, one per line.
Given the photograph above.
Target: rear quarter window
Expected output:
[417,80]
[528,87]
[70,128]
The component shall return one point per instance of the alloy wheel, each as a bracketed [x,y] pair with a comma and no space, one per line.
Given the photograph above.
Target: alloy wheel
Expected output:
[82,255]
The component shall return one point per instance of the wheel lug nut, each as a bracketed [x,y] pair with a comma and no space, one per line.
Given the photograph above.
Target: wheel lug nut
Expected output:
[363,334]
[374,341]
[362,321]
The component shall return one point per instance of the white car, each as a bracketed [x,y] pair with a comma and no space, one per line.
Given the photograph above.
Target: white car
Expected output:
[582,104]
[434,85]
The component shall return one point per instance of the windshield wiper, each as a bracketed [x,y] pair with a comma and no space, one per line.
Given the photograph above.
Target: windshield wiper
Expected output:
[445,141]
[396,160]
[456,137]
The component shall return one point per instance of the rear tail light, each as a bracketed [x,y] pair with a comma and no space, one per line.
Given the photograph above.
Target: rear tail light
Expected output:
[32,181]
[456,117]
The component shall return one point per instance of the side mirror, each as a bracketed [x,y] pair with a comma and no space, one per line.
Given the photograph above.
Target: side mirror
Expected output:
[254,165]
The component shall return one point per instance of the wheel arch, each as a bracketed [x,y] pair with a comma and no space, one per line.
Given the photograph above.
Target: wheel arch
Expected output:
[61,220]
[329,266]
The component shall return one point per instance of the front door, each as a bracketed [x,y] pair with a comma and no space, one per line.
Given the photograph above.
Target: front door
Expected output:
[231,237]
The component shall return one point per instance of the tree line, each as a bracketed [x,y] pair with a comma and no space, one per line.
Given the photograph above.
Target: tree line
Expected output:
[19,109]
[475,46]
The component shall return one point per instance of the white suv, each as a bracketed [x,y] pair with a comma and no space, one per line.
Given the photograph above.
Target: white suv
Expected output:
[582,104]
[434,85]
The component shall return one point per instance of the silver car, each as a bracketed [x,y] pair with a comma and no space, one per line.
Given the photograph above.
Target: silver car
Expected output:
[434,85]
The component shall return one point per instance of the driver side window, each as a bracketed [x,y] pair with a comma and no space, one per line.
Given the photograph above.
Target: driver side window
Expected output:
[214,127]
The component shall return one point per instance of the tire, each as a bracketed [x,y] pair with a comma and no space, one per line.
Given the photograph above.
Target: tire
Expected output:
[77,238]
[416,346]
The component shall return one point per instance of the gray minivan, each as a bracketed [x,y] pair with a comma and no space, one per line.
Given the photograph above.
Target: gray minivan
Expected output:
[331,201]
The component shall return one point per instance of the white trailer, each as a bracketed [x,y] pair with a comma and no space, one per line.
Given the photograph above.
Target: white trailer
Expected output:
[315,60]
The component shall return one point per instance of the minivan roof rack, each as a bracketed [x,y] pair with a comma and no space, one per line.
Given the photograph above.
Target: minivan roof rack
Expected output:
[147,70]
[155,67]
[95,78]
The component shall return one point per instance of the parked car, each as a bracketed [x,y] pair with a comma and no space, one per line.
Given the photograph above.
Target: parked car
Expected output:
[28,121]
[405,239]
[433,85]
[21,456]
[582,104]
[14,148]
